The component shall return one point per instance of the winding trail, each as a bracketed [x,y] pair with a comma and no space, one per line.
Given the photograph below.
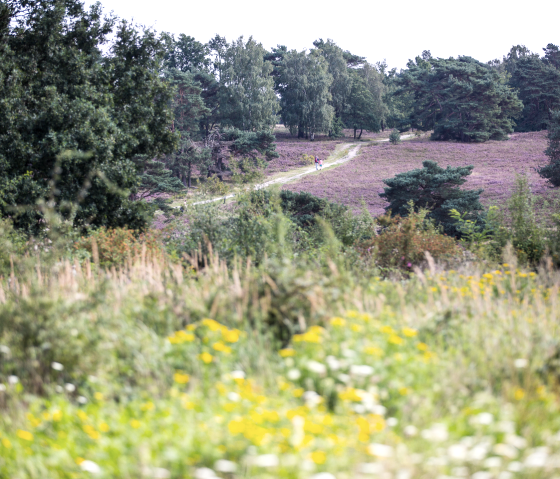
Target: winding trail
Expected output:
[351,153]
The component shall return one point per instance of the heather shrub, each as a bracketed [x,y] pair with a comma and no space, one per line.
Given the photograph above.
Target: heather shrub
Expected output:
[402,243]
[113,247]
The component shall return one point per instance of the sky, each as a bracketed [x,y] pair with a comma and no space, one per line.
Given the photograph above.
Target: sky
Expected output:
[394,31]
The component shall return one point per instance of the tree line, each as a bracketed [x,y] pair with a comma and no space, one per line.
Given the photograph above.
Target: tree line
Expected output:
[97,113]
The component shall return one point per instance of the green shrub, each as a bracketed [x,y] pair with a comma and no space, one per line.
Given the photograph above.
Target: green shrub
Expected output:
[552,171]
[395,137]
[433,188]
[113,247]
[403,242]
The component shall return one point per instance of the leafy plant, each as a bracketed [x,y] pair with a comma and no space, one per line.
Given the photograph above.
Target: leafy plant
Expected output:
[552,171]
[433,188]
[395,137]
[402,243]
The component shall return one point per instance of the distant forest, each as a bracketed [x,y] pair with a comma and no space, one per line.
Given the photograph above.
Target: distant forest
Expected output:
[113,112]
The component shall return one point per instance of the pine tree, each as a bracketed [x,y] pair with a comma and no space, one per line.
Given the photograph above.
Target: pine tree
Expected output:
[434,188]
[76,115]
[460,99]
[552,171]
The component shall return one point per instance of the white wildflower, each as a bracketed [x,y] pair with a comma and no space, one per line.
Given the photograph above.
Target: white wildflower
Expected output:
[316,367]
[223,465]
[82,399]
[13,380]
[515,466]
[505,450]
[484,418]
[380,450]
[156,472]
[478,452]
[349,353]
[5,350]
[343,378]
[521,363]
[361,370]
[204,473]
[308,465]
[505,475]
[537,458]
[2,387]
[370,468]
[392,421]
[293,374]
[482,475]
[378,409]
[266,460]
[312,399]
[410,430]
[438,433]
[517,441]
[457,452]
[90,466]
[333,363]
[359,408]
[69,387]
[92,379]
[403,474]
[238,375]
[233,396]
[493,462]
[58,388]
[322,475]
[57,366]
[461,471]
[506,426]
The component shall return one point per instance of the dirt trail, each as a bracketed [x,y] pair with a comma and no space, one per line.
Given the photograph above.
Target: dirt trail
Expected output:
[352,152]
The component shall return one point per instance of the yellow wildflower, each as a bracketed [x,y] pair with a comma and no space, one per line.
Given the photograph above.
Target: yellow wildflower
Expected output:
[374,351]
[338,321]
[318,457]
[285,353]
[298,392]
[6,443]
[206,357]
[104,427]
[98,396]
[135,423]
[211,324]
[394,339]
[231,336]
[409,332]
[221,347]
[25,435]
[519,394]
[149,406]
[422,346]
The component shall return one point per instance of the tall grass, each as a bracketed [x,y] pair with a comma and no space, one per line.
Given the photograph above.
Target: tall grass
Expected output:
[305,368]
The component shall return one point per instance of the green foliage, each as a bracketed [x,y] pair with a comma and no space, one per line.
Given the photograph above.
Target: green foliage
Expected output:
[395,137]
[251,143]
[12,245]
[460,99]
[552,171]
[360,113]
[433,188]
[60,93]
[403,242]
[305,93]
[213,186]
[119,246]
[247,171]
[247,99]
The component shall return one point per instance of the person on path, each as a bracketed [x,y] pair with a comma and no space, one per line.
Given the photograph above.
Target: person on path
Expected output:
[316,163]
[320,164]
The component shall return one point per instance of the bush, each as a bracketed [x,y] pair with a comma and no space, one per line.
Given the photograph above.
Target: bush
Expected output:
[552,171]
[403,242]
[112,247]
[395,137]
[214,186]
[433,188]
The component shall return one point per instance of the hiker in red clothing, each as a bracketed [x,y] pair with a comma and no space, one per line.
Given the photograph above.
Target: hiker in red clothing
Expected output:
[317,163]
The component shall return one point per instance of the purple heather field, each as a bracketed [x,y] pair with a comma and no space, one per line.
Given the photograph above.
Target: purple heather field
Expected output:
[291,151]
[495,165]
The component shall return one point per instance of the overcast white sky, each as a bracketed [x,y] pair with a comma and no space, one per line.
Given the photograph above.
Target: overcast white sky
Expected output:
[395,31]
